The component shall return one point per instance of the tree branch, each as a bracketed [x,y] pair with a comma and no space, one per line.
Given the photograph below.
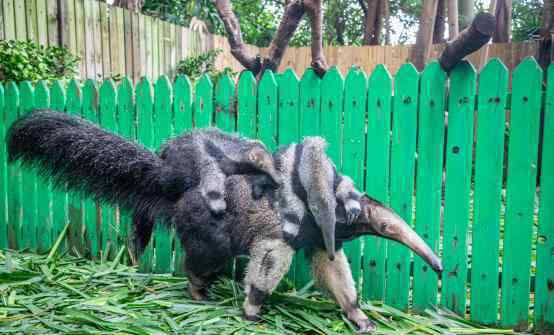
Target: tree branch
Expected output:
[315,12]
[364,6]
[234,36]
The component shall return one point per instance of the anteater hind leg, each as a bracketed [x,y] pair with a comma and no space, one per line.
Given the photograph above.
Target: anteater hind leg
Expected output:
[202,271]
[336,277]
[269,262]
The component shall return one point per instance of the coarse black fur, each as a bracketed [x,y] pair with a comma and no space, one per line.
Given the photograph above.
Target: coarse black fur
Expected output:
[80,156]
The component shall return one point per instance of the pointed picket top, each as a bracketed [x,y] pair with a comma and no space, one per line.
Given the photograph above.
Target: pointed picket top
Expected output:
[333,75]
[433,70]
[42,95]
[144,89]
[268,79]
[162,104]
[380,73]
[309,77]
[203,102]
[57,96]
[204,82]
[144,105]
[247,93]
[527,68]
[182,104]
[407,70]
[289,75]
[107,112]
[27,93]
[465,69]
[355,76]
[90,100]
[494,65]
[125,109]
[74,97]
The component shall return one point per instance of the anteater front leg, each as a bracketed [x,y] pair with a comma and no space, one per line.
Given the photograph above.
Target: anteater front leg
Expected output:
[269,262]
[336,277]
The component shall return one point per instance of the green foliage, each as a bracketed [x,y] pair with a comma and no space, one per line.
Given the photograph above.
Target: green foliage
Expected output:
[526,18]
[24,60]
[196,66]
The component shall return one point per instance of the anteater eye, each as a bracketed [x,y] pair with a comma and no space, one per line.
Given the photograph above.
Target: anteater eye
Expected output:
[383,227]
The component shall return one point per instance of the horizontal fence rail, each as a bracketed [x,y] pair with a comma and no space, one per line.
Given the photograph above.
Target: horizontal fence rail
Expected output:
[442,150]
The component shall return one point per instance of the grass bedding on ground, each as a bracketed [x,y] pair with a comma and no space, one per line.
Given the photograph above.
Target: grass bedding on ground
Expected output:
[71,295]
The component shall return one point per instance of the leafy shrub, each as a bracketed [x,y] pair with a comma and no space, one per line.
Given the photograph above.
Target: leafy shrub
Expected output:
[24,60]
[196,66]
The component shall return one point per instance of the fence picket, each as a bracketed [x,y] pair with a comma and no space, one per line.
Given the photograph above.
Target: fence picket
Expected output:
[544,282]
[493,83]
[267,105]
[44,190]
[225,114]
[126,127]
[429,180]
[59,197]
[107,120]
[459,146]
[162,130]
[145,136]
[9,19]
[310,121]
[353,150]
[93,219]
[203,102]
[3,174]
[520,193]
[182,113]
[28,178]
[289,124]
[15,210]
[403,147]
[377,175]
[332,99]
[246,105]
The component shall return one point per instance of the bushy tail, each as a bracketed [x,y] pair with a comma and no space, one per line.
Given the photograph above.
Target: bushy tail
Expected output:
[79,156]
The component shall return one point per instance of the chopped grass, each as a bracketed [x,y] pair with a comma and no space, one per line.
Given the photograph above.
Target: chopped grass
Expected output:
[70,295]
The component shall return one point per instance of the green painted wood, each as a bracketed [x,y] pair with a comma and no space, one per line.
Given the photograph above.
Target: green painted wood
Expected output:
[377,175]
[289,125]
[126,127]
[403,147]
[183,121]
[93,219]
[429,180]
[163,131]
[353,150]
[267,107]
[145,136]
[3,175]
[544,282]
[28,238]
[289,108]
[182,105]
[310,125]
[44,189]
[489,157]
[9,19]
[108,121]
[459,141]
[520,193]
[73,209]
[332,99]
[59,197]
[203,102]
[225,113]
[15,191]
[246,104]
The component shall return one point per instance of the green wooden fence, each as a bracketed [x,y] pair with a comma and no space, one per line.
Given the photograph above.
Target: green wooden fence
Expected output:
[485,212]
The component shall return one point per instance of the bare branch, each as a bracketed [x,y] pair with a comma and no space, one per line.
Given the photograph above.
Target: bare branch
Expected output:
[315,12]
[291,19]
[234,36]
